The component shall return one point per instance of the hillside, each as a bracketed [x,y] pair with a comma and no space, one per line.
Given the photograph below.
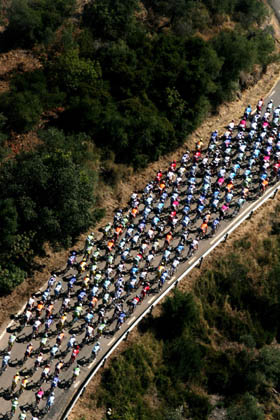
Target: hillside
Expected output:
[91,102]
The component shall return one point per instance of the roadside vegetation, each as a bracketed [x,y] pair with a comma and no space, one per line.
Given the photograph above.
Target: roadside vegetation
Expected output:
[209,351]
[118,83]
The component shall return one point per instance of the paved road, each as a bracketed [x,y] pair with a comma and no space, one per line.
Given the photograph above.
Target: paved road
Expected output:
[64,392]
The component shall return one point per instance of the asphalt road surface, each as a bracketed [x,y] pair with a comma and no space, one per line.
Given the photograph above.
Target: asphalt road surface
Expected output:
[65,390]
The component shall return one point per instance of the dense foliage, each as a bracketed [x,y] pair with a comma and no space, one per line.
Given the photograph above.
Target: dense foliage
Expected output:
[34,21]
[137,90]
[220,341]
[117,82]
[46,195]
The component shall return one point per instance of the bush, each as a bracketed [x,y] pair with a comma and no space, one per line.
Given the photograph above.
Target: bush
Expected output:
[246,409]
[109,19]
[10,277]
[53,195]
[32,21]
[178,312]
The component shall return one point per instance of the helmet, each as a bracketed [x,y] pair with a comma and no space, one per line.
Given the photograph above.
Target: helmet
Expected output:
[54,275]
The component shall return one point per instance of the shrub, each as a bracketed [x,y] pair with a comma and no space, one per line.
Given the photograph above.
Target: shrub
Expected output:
[246,409]
[10,277]
[32,21]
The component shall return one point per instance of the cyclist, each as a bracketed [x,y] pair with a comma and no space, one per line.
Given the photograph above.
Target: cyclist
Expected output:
[214,225]
[53,351]
[11,342]
[71,262]
[23,385]
[193,247]
[22,415]
[31,302]
[49,309]
[65,304]
[121,319]
[5,361]
[77,313]
[58,367]
[223,210]
[95,350]
[174,266]
[39,395]
[59,338]
[71,282]
[76,373]
[62,321]
[27,317]
[15,381]
[50,401]
[39,309]
[51,281]
[35,327]
[55,382]
[28,351]
[38,361]
[89,333]
[14,405]
[71,342]
[74,354]
[45,374]
[58,289]
[48,323]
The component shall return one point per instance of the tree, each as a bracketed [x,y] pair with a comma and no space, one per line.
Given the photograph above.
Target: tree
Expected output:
[28,96]
[246,409]
[35,21]
[52,194]
[9,223]
[10,277]
[71,73]
[109,19]
[178,312]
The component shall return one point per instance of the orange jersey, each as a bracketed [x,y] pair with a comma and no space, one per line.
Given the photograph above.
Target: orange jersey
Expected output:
[40,307]
[110,244]
[230,186]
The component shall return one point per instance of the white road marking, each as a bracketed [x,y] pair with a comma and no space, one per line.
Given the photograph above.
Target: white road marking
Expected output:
[131,320]
[172,279]
[90,366]
[76,384]
[110,342]
[191,260]
[272,93]
[153,298]
[5,331]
